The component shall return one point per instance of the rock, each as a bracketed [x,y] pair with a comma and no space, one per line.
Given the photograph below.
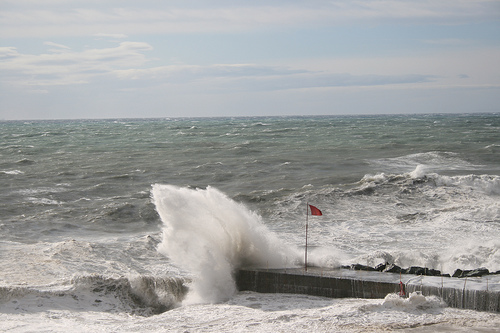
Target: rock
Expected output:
[359,267]
[478,272]
[434,272]
[393,269]
[422,271]
[415,270]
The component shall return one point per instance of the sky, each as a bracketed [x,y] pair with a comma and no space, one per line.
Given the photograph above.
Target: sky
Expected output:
[74,59]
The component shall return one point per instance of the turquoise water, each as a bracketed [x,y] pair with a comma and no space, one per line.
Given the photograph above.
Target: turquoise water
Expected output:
[80,200]
[97,174]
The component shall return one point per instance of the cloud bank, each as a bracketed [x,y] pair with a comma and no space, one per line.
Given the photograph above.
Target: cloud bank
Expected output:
[125,62]
[83,18]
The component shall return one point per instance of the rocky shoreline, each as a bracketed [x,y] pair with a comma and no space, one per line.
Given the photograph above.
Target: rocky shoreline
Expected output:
[417,270]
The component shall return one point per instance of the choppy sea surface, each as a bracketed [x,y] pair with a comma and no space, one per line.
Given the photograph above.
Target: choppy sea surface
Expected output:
[139,224]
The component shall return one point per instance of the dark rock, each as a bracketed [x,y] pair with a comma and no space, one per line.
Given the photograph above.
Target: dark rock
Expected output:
[393,269]
[471,273]
[434,272]
[422,271]
[359,267]
[415,270]
[476,272]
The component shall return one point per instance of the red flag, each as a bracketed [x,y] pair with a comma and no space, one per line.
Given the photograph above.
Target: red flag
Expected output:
[315,211]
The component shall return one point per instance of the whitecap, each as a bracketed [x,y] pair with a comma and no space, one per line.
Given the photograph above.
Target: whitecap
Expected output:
[12,172]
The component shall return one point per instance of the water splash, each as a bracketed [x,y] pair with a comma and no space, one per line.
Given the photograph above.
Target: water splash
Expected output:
[210,235]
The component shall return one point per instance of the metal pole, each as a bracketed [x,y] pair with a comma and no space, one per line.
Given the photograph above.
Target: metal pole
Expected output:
[307,224]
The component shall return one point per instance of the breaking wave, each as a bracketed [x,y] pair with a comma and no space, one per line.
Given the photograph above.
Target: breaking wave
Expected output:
[210,235]
[140,295]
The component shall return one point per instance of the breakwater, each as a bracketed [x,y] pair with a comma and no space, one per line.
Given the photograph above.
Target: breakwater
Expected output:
[476,294]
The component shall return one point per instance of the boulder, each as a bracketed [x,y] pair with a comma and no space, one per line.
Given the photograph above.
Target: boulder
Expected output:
[422,271]
[381,267]
[478,272]
[359,267]
[393,269]
[416,270]
[434,272]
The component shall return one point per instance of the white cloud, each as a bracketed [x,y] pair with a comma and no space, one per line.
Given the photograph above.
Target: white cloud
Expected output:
[68,67]
[8,52]
[127,66]
[188,73]
[60,46]
[255,78]
[56,48]
[126,63]
[90,18]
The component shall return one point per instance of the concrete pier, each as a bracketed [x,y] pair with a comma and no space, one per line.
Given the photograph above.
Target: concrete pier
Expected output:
[474,294]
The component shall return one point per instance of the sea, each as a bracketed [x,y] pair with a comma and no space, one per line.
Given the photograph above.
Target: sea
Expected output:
[139,225]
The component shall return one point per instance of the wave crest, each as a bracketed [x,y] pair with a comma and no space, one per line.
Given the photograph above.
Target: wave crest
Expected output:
[210,235]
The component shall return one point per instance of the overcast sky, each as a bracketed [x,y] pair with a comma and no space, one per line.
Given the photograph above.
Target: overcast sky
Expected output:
[152,58]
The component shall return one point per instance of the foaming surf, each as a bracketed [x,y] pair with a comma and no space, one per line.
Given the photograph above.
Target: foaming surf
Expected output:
[211,236]
[140,295]
[412,218]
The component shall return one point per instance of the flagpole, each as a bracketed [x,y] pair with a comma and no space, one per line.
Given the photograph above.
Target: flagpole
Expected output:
[307,224]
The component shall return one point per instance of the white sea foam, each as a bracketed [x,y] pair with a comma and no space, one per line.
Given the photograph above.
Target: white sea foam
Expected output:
[12,172]
[419,171]
[252,312]
[410,219]
[44,201]
[210,235]
[488,184]
[433,160]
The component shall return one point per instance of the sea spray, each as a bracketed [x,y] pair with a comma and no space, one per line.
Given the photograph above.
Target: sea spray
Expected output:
[210,235]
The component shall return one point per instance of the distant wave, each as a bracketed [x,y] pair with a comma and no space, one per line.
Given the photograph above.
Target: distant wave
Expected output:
[433,160]
[12,172]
